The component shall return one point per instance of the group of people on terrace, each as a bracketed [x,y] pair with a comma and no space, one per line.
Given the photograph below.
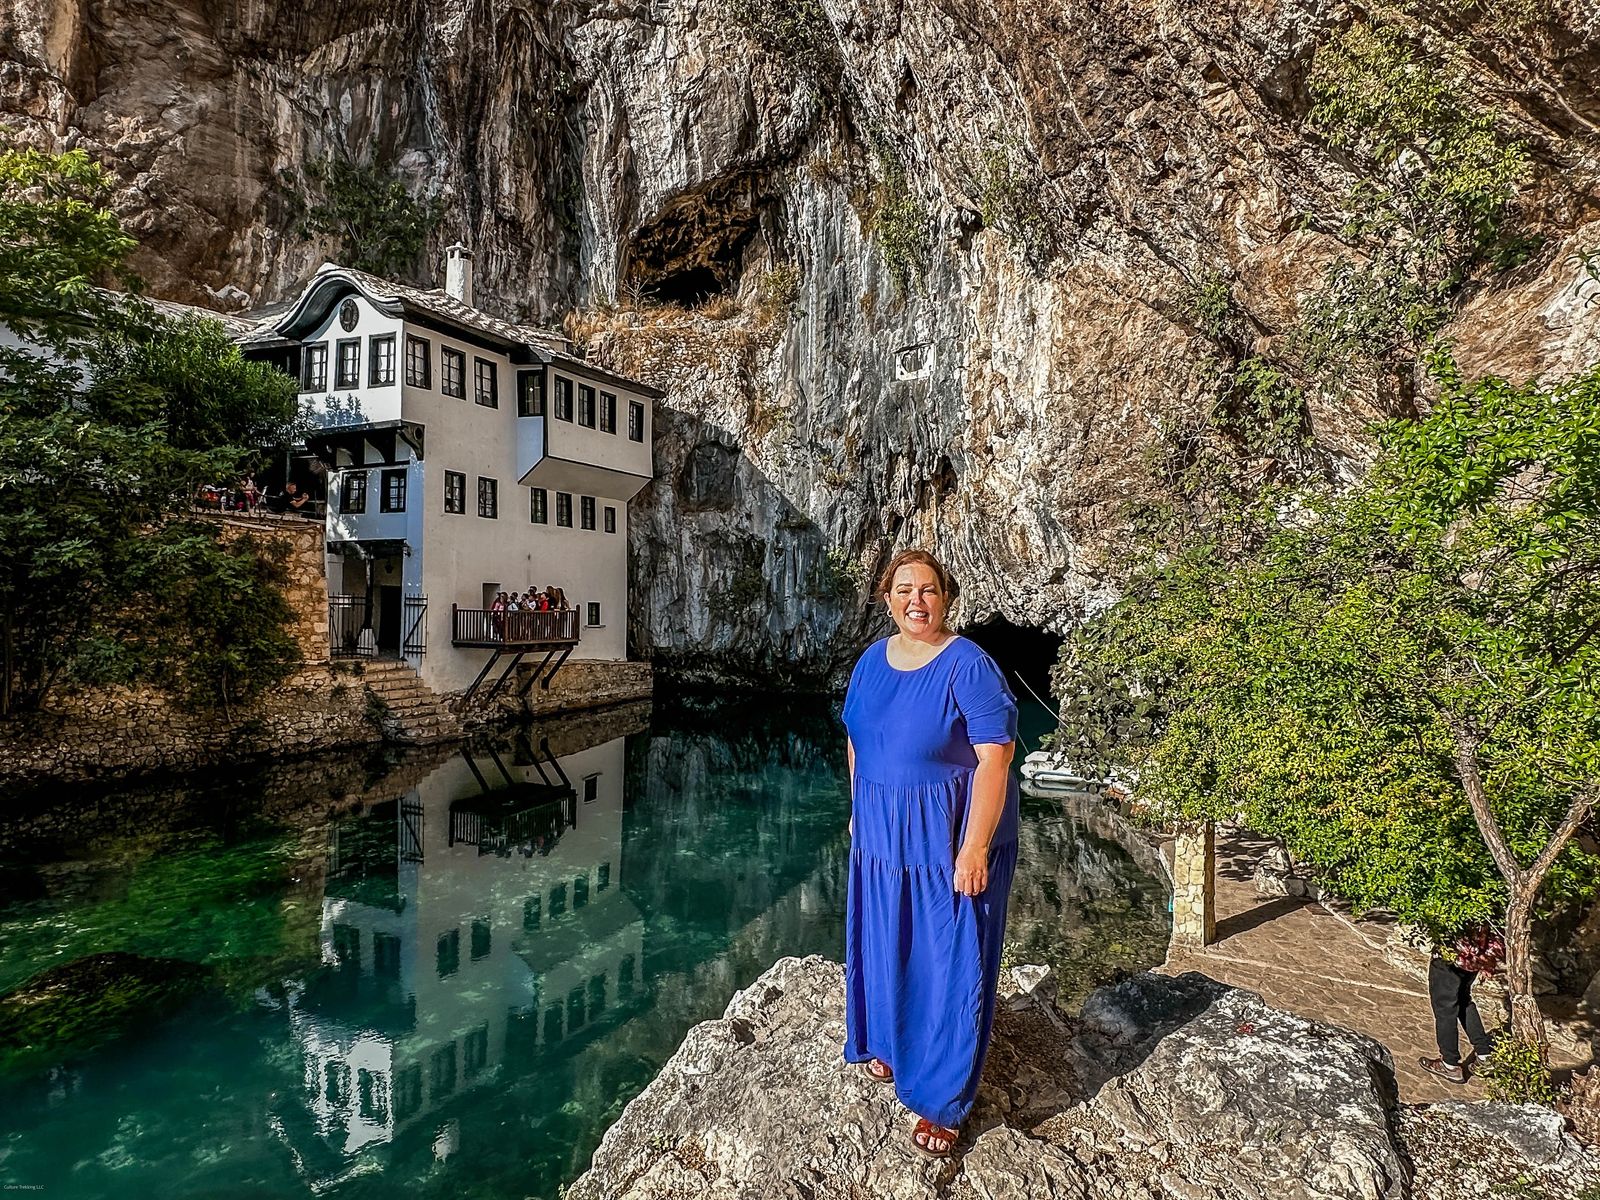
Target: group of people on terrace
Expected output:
[246,497]
[551,599]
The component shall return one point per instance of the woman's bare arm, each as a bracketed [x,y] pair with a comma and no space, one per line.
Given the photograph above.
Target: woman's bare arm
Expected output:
[850,753]
[988,802]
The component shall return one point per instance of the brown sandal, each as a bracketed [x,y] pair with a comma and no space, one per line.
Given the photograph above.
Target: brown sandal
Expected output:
[878,1070]
[928,1132]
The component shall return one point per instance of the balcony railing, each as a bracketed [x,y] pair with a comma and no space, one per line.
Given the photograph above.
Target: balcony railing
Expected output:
[500,630]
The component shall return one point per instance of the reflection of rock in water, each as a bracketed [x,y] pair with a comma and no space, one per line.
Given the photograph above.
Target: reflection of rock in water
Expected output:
[74,1007]
[1082,904]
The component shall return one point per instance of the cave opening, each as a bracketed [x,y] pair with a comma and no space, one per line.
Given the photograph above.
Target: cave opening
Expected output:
[1025,654]
[690,287]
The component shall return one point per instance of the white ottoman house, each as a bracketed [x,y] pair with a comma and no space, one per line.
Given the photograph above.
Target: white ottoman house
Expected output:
[465,456]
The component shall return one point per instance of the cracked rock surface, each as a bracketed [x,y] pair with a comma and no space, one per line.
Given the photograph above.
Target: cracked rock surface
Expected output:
[1162,1089]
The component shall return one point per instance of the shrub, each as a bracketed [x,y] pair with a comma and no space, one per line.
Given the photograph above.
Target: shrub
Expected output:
[1515,1074]
[777,292]
[1011,199]
[381,227]
[900,220]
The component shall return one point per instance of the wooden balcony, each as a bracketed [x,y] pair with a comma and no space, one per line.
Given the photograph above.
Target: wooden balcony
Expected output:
[480,628]
[514,635]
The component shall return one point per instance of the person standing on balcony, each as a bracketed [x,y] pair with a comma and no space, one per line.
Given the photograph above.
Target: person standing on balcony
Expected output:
[932,726]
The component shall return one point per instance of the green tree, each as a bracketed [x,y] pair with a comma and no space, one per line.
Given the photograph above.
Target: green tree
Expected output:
[1403,683]
[109,417]
[381,227]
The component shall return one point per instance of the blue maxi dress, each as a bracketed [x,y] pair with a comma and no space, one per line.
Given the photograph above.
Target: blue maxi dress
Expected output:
[922,961]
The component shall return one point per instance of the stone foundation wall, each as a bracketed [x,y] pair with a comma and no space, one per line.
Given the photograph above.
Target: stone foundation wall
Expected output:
[116,731]
[307,586]
[581,683]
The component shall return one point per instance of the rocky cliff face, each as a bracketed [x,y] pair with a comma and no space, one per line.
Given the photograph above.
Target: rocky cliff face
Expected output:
[911,272]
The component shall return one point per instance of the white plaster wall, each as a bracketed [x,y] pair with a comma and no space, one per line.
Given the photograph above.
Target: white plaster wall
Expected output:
[461,552]
[333,405]
[579,443]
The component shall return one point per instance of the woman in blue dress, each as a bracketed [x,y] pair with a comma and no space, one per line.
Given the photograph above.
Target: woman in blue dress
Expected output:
[933,848]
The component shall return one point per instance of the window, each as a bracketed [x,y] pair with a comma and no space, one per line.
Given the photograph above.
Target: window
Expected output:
[316,364]
[586,405]
[564,509]
[580,891]
[481,939]
[563,399]
[475,1051]
[353,492]
[597,995]
[625,971]
[374,1097]
[380,360]
[448,953]
[602,877]
[530,394]
[586,511]
[349,365]
[594,614]
[453,373]
[337,1085]
[635,421]
[419,365]
[408,1091]
[539,506]
[455,492]
[575,1019]
[386,955]
[347,945]
[558,900]
[591,788]
[611,519]
[394,492]
[531,912]
[484,390]
[608,413]
[552,1024]
[488,498]
[444,1071]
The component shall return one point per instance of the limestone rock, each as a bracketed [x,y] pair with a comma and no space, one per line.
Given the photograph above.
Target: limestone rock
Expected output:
[1004,387]
[1190,1091]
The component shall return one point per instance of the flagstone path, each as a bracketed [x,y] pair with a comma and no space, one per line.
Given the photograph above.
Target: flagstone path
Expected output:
[1315,961]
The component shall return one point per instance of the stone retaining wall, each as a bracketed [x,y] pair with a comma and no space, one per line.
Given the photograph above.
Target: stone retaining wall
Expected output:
[580,683]
[117,731]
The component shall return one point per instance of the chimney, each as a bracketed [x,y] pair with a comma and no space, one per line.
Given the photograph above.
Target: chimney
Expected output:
[458,272]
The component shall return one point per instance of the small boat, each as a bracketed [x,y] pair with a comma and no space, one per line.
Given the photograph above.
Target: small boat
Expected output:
[1045,773]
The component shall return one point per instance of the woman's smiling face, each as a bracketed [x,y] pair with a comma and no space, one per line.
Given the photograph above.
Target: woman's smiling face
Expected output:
[916,601]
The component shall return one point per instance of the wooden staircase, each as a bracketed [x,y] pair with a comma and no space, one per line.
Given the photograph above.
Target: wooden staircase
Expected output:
[409,710]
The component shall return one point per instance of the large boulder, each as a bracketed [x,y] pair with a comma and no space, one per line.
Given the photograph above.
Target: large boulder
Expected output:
[1162,1089]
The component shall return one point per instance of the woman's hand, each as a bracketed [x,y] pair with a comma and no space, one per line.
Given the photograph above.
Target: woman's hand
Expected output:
[972,869]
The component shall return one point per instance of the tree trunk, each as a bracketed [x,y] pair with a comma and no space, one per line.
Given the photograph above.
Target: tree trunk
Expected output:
[1527,1024]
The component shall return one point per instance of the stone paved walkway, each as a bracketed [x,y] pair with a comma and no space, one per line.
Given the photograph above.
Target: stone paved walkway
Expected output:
[1311,960]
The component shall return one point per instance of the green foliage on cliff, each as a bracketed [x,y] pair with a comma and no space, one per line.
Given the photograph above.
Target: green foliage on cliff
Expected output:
[381,227]
[900,221]
[1403,683]
[1439,181]
[1011,198]
[797,32]
[107,424]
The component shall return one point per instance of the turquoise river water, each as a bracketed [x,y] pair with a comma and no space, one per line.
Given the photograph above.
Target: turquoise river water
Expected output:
[441,975]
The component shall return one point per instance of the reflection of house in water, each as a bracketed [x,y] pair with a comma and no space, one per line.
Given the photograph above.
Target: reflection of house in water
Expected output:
[476,921]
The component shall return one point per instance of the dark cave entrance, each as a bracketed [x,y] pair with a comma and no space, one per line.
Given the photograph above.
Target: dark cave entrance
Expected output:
[1026,655]
[690,288]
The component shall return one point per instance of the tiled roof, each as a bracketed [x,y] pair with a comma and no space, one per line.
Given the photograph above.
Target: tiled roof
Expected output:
[446,307]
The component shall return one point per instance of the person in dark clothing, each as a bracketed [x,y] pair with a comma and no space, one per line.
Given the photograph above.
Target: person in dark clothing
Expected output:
[1451,973]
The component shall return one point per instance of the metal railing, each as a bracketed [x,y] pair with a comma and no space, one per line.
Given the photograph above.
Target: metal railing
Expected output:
[484,627]
[414,613]
[352,632]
